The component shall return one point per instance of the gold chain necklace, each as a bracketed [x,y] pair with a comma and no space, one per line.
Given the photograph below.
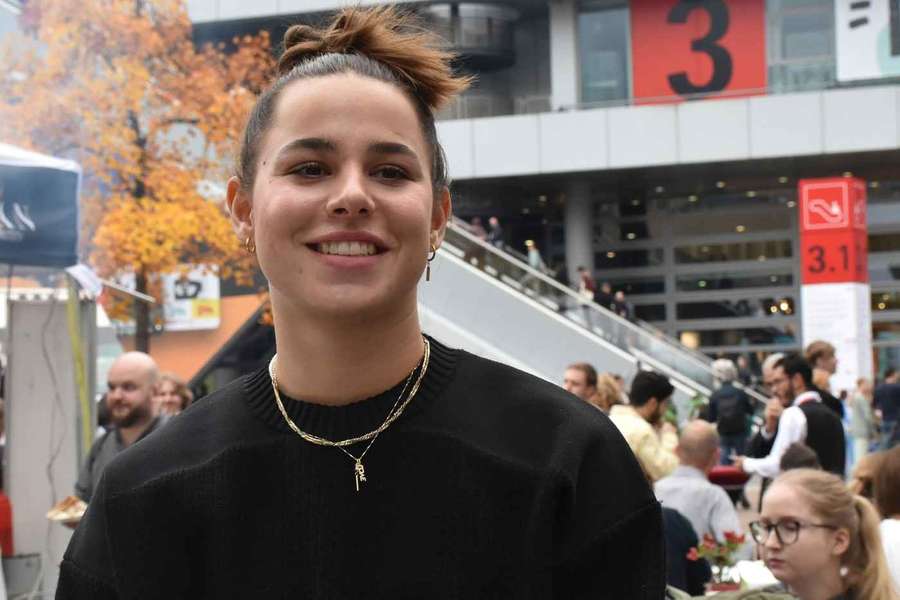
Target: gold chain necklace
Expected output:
[359,473]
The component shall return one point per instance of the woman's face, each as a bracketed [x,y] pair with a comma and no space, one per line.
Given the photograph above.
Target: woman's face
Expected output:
[816,548]
[342,209]
[169,402]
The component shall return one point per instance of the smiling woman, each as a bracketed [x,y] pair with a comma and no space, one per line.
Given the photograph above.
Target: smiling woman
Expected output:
[368,460]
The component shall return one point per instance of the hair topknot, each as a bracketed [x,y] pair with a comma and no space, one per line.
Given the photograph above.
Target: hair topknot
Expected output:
[388,36]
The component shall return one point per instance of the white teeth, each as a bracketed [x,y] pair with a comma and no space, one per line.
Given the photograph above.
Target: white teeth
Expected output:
[347,248]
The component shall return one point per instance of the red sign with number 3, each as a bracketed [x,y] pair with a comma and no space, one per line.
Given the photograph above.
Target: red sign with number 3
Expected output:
[833,236]
[682,48]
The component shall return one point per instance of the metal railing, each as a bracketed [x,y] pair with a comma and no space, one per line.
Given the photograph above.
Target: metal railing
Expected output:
[639,339]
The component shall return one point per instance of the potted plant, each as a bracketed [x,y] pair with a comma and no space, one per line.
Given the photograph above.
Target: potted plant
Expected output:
[721,559]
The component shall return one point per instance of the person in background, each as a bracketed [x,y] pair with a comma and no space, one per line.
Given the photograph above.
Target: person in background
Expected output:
[641,423]
[862,479]
[820,540]
[745,375]
[862,427]
[799,456]
[688,490]
[172,395]
[131,380]
[495,233]
[607,394]
[622,306]
[477,229]
[536,262]
[587,289]
[822,358]
[681,572]
[604,297]
[730,409]
[580,379]
[887,400]
[886,489]
[807,420]
[623,393]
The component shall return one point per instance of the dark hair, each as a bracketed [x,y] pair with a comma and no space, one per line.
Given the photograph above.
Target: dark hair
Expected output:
[380,43]
[648,384]
[590,373]
[799,456]
[890,372]
[794,364]
[886,484]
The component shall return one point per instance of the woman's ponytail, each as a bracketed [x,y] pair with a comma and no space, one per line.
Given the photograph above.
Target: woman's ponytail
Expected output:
[865,559]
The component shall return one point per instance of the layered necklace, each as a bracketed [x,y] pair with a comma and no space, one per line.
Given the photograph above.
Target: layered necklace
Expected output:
[359,472]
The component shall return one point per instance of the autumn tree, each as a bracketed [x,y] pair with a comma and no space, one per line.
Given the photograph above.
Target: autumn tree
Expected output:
[119,86]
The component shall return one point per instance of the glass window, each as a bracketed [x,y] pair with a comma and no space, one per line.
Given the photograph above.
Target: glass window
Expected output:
[773,218]
[885,301]
[884,242]
[631,287]
[603,53]
[740,337]
[626,259]
[726,309]
[737,251]
[801,44]
[650,312]
[727,281]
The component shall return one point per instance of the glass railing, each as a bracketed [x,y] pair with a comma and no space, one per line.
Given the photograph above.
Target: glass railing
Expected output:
[641,340]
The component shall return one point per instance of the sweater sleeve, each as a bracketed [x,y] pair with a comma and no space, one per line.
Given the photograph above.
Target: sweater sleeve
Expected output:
[609,537]
[86,571]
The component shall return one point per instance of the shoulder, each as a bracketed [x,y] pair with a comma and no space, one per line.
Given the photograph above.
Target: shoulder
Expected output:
[204,430]
[500,408]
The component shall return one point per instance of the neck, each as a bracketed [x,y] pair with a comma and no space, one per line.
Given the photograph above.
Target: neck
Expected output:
[130,435]
[824,585]
[340,361]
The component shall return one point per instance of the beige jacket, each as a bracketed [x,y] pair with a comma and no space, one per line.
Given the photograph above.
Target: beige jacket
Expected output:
[654,450]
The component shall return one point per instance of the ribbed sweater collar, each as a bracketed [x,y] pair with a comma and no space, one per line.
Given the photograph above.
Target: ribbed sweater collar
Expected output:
[341,422]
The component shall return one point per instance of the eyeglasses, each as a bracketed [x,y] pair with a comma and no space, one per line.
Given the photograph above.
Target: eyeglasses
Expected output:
[787,531]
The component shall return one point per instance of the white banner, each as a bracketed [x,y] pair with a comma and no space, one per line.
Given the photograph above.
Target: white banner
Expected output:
[867,39]
[191,301]
[841,314]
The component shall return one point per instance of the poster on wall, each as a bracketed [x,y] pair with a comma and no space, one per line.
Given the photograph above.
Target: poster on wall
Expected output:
[867,39]
[688,49]
[191,301]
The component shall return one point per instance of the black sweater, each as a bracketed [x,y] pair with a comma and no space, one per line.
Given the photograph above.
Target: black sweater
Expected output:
[492,484]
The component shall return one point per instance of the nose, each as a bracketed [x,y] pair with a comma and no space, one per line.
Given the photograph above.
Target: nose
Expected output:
[353,198]
[771,541]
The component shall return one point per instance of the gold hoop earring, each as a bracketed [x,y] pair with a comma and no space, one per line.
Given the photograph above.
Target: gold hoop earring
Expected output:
[428,264]
[250,245]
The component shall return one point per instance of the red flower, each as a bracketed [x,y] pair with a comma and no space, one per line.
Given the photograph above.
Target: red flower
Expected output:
[733,538]
[692,555]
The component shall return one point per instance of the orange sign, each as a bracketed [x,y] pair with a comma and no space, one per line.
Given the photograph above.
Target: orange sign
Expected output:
[685,48]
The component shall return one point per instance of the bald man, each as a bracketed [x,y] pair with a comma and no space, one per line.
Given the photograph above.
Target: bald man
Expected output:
[132,382]
[687,489]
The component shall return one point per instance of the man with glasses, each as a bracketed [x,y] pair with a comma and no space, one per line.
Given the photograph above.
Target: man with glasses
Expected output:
[806,420]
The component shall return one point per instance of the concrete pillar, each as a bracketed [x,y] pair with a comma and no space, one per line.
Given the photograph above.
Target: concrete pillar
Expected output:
[579,228]
[563,54]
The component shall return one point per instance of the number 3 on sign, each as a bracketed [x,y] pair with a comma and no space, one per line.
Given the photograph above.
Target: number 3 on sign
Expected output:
[708,44]
[685,48]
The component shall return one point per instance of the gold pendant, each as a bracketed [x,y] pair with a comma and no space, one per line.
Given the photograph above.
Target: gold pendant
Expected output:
[359,473]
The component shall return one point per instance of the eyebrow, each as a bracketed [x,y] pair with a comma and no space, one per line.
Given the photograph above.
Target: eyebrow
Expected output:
[323,145]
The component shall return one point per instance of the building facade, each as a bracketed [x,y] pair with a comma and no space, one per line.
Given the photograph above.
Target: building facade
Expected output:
[660,143]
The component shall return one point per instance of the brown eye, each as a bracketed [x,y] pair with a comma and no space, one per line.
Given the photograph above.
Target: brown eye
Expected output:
[391,173]
[311,170]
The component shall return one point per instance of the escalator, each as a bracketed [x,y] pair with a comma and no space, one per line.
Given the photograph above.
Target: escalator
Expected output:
[490,302]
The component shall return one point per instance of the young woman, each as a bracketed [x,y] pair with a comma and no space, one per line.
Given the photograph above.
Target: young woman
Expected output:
[820,540]
[368,460]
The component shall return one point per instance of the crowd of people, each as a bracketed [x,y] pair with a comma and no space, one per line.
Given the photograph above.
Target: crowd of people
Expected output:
[804,446]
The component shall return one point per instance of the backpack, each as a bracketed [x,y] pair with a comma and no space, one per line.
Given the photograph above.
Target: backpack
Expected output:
[732,414]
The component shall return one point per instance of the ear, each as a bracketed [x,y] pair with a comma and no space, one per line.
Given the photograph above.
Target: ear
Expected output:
[441,210]
[240,209]
[841,542]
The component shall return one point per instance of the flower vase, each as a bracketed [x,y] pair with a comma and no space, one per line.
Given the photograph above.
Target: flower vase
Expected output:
[724,579]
